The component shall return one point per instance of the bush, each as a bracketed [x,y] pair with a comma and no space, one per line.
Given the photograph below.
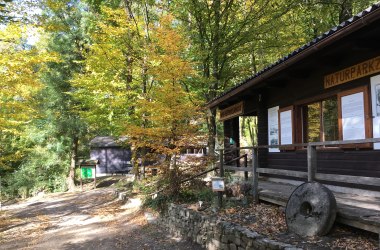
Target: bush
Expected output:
[158,203]
[123,185]
[42,170]
[206,194]
[146,186]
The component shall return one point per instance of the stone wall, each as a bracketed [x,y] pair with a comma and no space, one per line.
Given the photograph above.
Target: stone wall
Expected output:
[212,233]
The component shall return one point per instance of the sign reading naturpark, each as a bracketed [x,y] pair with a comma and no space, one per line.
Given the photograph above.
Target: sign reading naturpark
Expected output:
[357,71]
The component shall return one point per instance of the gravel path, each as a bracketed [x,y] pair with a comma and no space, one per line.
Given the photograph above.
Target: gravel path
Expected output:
[82,220]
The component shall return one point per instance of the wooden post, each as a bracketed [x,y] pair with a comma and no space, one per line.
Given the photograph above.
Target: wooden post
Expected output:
[255,163]
[80,173]
[1,197]
[311,162]
[221,174]
[246,165]
[95,177]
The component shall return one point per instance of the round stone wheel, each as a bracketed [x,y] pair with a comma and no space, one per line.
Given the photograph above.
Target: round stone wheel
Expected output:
[311,210]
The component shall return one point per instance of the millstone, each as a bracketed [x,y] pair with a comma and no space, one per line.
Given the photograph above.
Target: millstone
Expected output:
[311,210]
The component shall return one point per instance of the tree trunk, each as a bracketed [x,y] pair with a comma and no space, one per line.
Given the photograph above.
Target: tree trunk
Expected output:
[212,132]
[74,153]
[135,163]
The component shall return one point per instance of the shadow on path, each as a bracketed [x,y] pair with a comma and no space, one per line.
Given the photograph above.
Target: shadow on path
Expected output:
[83,220]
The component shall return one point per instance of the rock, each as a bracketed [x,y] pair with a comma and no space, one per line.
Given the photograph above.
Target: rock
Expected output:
[232,246]
[212,233]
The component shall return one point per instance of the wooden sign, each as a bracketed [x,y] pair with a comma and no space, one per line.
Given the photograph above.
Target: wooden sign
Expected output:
[354,72]
[232,111]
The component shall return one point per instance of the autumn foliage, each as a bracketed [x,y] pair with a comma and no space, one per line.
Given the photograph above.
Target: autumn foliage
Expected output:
[167,119]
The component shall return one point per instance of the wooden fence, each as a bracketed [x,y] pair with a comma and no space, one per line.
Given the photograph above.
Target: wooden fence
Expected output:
[312,166]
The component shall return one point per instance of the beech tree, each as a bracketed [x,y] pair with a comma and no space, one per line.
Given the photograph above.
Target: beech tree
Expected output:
[20,70]
[172,116]
[110,81]
[221,34]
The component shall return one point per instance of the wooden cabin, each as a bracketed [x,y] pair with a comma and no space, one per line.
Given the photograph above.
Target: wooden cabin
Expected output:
[327,90]
[112,156]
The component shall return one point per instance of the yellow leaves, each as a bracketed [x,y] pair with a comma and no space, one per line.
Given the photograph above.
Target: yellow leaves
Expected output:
[20,68]
[111,80]
[167,49]
[169,39]
[56,5]
[167,113]
[168,117]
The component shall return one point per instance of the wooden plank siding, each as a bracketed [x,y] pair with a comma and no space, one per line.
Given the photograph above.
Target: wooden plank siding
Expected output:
[355,163]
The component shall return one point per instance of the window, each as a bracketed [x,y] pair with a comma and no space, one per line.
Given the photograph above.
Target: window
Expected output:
[320,121]
[286,135]
[354,114]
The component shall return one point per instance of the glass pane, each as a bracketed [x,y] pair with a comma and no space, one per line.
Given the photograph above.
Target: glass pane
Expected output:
[330,119]
[313,122]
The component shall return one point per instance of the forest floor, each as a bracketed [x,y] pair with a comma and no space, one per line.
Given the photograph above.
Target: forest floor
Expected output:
[91,219]
[95,219]
[269,220]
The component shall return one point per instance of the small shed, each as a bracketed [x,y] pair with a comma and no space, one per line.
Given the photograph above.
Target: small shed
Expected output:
[113,155]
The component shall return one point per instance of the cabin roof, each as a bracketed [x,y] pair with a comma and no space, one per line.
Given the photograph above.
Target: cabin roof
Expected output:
[345,28]
[106,142]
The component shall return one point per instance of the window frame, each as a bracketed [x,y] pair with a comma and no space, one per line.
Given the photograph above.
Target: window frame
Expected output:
[304,124]
[367,115]
[280,110]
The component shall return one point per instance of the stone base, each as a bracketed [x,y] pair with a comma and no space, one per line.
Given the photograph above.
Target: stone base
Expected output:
[214,234]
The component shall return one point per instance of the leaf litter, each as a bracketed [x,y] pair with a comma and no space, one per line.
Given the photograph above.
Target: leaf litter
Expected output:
[269,220]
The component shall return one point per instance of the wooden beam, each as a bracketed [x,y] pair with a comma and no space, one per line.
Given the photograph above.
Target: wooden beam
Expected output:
[325,143]
[221,174]
[255,161]
[238,169]
[298,174]
[357,224]
[370,181]
[311,162]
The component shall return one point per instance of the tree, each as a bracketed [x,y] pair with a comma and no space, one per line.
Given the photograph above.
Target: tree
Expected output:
[110,81]
[219,32]
[64,21]
[20,71]
[170,114]
[4,12]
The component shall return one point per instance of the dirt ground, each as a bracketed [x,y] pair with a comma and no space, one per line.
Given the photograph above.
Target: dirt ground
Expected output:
[83,220]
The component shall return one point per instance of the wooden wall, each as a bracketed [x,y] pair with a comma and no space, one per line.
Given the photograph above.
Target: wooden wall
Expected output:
[357,163]
[112,159]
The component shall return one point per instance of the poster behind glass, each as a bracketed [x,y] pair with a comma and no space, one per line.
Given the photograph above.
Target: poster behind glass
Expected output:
[273,128]
[286,127]
[353,121]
